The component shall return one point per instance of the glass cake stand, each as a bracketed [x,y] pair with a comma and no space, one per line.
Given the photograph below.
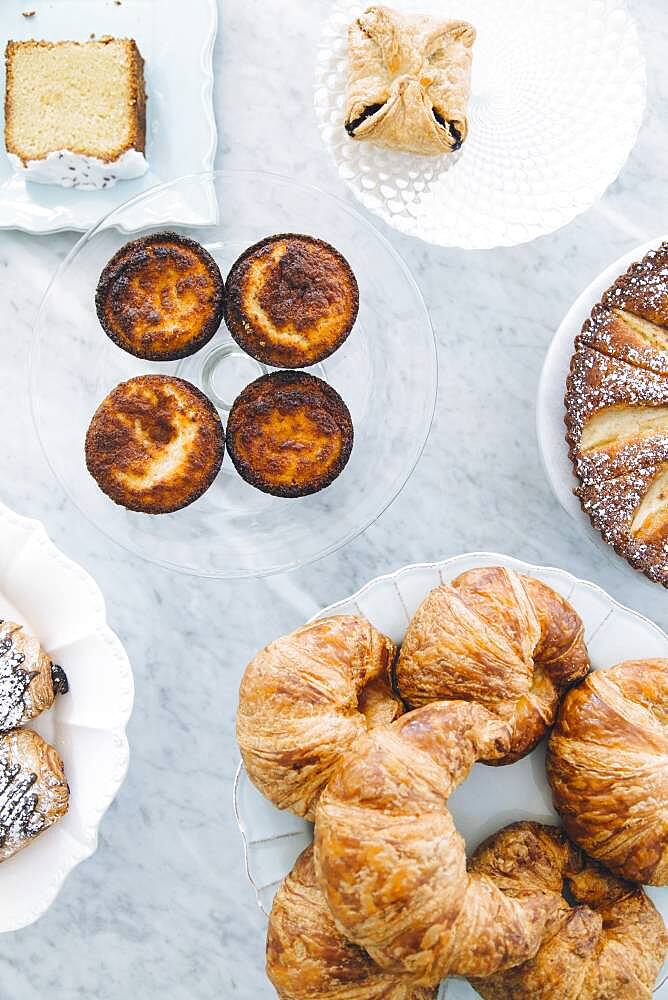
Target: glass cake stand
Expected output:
[386,372]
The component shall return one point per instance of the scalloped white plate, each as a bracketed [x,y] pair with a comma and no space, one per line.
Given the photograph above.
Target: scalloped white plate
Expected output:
[550,403]
[63,606]
[557,97]
[181,133]
[490,797]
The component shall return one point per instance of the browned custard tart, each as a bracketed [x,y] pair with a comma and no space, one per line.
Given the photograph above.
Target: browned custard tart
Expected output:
[289,434]
[160,297]
[155,444]
[617,415]
[291,300]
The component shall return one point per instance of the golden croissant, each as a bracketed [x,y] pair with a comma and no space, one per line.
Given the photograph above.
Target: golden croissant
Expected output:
[409,79]
[309,959]
[607,943]
[493,636]
[392,865]
[607,764]
[305,699]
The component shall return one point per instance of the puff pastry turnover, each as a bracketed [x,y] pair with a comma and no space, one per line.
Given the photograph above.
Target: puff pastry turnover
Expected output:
[33,790]
[307,698]
[607,764]
[504,640]
[392,865]
[29,681]
[607,943]
[408,81]
[309,959]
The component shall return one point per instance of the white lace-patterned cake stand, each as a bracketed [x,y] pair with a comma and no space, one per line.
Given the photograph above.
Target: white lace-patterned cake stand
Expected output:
[62,605]
[490,797]
[558,94]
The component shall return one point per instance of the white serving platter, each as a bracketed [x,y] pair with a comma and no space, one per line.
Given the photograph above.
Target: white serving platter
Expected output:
[550,426]
[558,94]
[181,128]
[62,605]
[490,797]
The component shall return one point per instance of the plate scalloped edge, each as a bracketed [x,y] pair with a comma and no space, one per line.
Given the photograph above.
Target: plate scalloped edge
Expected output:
[24,540]
[297,832]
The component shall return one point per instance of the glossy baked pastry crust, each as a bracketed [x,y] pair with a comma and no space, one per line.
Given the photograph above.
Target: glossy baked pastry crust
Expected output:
[393,866]
[607,767]
[289,434]
[501,639]
[155,444]
[29,680]
[33,790]
[307,698]
[309,959]
[606,943]
[409,80]
[160,297]
[617,415]
[291,300]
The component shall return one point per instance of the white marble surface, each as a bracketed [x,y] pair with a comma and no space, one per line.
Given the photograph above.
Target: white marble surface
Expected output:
[163,909]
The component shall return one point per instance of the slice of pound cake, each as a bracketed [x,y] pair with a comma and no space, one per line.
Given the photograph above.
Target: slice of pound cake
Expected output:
[75,112]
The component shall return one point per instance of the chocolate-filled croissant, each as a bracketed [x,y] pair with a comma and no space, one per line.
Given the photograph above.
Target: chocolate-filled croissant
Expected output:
[305,699]
[392,865]
[504,640]
[607,765]
[29,680]
[33,791]
[408,81]
[606,940]
[309,959]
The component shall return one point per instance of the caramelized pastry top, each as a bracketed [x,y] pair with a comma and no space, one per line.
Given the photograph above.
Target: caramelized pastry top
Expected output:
[155,444]
[617,415]
[606,941]
[506,641]
[607,764]
[309,959]
[291,300]
[289,434]
[160,297]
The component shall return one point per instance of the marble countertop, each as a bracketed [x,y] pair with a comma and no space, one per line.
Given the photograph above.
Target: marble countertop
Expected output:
[163,909]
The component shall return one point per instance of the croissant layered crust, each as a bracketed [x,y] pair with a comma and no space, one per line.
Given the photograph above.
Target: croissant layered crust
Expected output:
[29,681]
[306,699]
[309,959]
[409,79]
[392,865]
[607,942]
[503,640]
[608,767]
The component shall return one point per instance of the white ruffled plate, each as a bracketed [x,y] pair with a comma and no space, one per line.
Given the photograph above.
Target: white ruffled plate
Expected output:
[63,606]
[550,402]
[181,135]
[558,94]
[490,797]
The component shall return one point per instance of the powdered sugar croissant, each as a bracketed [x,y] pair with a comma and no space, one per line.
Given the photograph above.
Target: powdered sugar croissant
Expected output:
[607,943]
[392,865]
[408,81]
[507,641]
[309,959]
[305,699]
[607,764]
[29,681]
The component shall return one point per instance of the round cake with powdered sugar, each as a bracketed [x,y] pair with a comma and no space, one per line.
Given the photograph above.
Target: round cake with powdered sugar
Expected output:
[617,415]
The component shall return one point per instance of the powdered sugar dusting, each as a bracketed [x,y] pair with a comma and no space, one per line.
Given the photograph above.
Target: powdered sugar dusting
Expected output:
[15,699]
[620,361]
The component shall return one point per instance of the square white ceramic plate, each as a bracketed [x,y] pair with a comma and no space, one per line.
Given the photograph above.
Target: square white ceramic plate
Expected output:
[176,40]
